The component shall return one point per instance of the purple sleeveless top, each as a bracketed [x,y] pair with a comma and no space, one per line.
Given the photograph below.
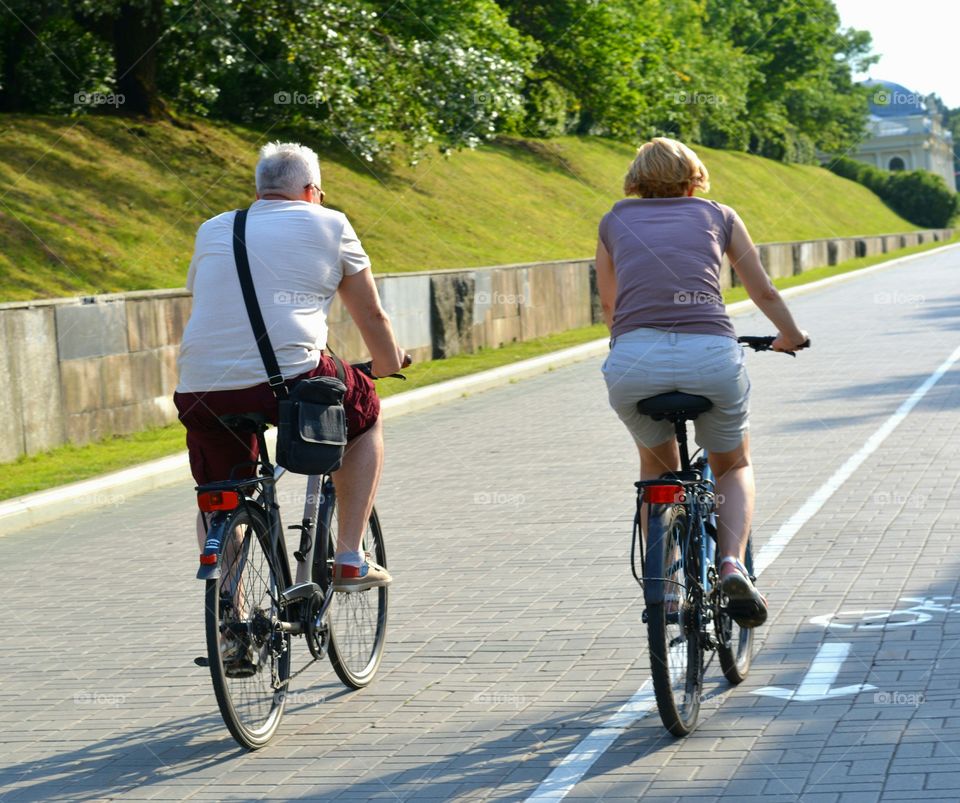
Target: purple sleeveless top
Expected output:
[667,253]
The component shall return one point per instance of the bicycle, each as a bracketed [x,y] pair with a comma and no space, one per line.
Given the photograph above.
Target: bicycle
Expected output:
[685,612]
[253,607]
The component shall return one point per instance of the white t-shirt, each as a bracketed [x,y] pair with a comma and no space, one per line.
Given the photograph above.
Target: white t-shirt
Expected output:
[298,253]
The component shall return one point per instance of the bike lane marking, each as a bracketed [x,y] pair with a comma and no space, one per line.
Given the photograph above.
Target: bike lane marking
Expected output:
[817,684]
[560,782]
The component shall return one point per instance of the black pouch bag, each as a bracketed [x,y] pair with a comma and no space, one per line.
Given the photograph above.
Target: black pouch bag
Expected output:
[311,423]
[312,426]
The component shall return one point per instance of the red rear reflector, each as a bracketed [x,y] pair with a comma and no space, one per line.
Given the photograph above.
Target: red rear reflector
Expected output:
[663,494]
[210,501]
[207,560]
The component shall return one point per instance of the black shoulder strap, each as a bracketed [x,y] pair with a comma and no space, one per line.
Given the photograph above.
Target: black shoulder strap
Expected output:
[274,377]
[338,364]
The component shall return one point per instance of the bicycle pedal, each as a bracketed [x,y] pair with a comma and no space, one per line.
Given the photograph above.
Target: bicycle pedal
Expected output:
[645,616]
[202,660]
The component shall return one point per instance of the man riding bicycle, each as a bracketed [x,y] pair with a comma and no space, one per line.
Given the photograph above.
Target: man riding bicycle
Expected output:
[300,255]
[658,274]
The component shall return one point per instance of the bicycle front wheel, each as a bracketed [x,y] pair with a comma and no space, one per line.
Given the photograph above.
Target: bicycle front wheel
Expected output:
[672,627]
[735,643]
[249,657]
[357,620]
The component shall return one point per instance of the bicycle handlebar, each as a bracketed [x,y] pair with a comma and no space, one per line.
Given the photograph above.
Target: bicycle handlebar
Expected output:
[766,344]
[367,368]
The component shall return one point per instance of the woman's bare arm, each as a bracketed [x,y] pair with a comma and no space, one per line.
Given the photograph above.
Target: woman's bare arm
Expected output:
[746,262]
[606,283]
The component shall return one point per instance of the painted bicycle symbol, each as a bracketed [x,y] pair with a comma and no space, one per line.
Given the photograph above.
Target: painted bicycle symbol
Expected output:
[921,612]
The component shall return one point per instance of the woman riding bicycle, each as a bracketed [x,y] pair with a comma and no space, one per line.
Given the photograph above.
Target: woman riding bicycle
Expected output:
[658,273]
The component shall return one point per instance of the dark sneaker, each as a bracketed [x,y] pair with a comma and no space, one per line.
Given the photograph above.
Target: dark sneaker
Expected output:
[745,605]
[237,658]
[360,578]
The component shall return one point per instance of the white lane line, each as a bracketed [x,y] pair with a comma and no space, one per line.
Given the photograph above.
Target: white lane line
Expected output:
[772,549]
[575,765]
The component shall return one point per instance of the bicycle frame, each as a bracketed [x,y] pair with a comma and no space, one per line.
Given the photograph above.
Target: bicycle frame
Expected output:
[698,485]
[260,492]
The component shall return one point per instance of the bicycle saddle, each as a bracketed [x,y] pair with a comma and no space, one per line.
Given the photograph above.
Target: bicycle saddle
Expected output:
[672,404]
[245,422]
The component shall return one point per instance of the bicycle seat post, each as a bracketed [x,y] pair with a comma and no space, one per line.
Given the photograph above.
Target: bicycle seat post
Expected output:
[680,425]
[264,454]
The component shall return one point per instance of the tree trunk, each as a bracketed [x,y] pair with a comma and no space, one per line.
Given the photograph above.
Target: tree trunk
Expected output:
[137,29]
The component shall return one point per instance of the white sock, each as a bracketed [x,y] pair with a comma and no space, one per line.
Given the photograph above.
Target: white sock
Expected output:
[349,558]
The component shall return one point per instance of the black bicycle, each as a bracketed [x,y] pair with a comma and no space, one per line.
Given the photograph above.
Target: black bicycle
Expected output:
[685,612]
[253,607]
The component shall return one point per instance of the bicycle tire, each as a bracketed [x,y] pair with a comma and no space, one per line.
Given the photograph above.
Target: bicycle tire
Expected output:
[735,643]
[357,620]
[251,704]
[676,661]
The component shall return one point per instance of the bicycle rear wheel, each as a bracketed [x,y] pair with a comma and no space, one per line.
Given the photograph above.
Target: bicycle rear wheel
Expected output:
[676,663]
[357,620]
[735,643]
[249,658]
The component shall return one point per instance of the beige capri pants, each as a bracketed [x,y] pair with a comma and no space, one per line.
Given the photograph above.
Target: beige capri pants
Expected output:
[647,362]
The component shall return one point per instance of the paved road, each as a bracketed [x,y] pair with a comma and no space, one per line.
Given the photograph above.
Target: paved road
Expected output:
[515,625]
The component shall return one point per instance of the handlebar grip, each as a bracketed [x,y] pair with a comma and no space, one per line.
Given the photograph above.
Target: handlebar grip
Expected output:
[367,368]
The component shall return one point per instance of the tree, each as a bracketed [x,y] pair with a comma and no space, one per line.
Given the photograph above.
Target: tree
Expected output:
[801,96]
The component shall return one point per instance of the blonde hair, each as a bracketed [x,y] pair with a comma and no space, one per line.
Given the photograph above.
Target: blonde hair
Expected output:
[665,168]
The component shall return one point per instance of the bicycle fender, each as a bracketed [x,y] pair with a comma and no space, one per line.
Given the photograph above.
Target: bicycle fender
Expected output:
[213,547]
[653,586]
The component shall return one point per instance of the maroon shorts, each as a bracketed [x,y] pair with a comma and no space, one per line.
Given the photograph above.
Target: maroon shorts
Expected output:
[215,450]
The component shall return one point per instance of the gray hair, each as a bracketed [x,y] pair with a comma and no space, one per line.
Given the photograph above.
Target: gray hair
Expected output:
[286,168]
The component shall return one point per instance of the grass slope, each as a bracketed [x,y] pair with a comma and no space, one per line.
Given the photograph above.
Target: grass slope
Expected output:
[97,204]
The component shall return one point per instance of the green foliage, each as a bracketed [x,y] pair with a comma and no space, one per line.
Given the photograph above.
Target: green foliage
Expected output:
[873,178]
[47,75]
[800,95]
[921,197]
[769,76]
[918,195]
[549,110]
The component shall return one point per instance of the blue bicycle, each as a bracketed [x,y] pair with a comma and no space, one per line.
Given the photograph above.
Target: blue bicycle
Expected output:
[686,613]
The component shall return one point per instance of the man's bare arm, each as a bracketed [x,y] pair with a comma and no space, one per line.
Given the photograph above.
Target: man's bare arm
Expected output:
[360,297]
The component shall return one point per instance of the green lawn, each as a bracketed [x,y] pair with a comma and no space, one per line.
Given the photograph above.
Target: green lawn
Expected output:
[98,204]
[73,463]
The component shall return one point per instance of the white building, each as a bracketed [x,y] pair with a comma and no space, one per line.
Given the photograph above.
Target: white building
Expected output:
[905,134]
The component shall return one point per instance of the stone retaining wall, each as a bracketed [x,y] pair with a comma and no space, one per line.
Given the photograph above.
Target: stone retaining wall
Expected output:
[79,369]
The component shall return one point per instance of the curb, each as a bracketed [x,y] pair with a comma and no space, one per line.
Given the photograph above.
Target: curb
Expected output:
[113,488]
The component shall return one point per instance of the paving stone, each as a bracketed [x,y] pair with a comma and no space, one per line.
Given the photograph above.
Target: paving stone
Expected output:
[498,666]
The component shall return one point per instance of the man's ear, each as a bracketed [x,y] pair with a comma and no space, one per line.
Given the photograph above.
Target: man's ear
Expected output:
[257,196]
